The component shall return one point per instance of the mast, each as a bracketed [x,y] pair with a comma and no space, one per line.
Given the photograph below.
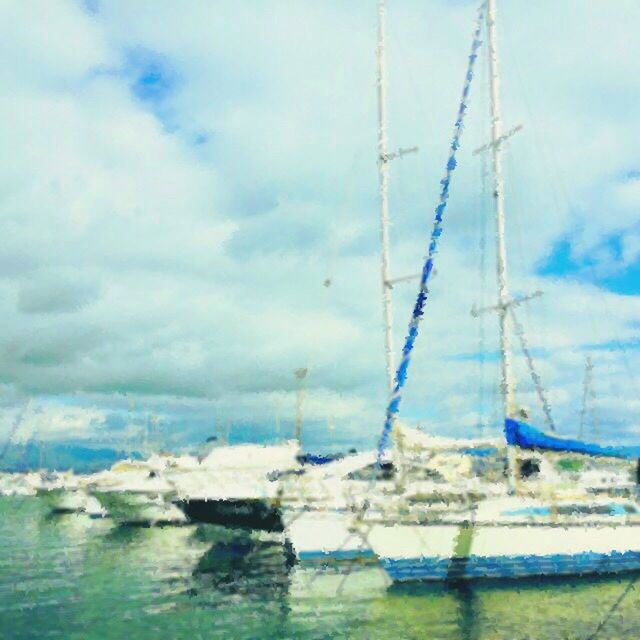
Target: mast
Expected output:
[383,180]
[300,376]
[508,381]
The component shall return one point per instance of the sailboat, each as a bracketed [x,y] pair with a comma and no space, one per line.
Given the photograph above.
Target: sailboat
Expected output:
[515,535]
[318,506]
[329,510]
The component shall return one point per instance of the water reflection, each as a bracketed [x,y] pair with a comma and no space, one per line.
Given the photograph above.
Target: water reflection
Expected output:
[160,555]
[363,606]
[241,565]
[77,528]
[555,608]
[75,577]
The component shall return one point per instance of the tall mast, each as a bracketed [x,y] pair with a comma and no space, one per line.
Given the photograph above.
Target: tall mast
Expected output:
[300,374]
[383,179]
[508,381]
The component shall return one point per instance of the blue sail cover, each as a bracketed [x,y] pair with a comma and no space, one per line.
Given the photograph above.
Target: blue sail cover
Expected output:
[523,435]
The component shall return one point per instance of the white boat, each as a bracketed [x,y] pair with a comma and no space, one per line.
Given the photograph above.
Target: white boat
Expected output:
[238,485]
[329,511]
[19,484]
[66,492]
[322,507]
[514,537]
[319,509]
[139,499]
[138,492]
[233,485]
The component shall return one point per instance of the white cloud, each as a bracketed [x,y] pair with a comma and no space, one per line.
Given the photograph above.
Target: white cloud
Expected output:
[176,245]
[52,422]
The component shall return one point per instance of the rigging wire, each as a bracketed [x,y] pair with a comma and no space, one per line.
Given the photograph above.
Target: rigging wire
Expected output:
[588,401]
[17,423]
[595,427]
[484,176]
[614,607]
[535,377]
[518,257]
[559,193]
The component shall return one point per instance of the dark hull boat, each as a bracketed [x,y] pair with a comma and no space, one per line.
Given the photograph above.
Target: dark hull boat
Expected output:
[244,513]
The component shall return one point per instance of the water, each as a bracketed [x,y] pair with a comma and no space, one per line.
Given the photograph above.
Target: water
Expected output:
[72,577]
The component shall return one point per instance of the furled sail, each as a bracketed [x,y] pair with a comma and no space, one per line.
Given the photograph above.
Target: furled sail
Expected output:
[418,310]
[523,435]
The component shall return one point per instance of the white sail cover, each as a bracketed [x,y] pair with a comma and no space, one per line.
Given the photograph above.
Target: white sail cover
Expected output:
[416,440]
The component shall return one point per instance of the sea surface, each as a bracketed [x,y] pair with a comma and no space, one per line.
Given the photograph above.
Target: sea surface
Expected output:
[73,577]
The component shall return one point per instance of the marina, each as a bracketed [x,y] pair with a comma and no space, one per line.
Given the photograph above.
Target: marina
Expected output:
[204,433]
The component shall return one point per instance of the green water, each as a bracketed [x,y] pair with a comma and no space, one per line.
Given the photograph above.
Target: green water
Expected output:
[72,577]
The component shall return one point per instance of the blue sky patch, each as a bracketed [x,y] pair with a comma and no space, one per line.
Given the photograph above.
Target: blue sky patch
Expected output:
[200,138]
[91,6]
[474,356]
[154,79]
[493,356]
[611,274]
[613,345]
[153,82]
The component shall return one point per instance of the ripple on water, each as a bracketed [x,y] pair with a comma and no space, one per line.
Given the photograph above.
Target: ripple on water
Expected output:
[76,578]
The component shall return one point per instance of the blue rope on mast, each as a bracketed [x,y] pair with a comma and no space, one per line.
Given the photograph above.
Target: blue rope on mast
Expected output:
[418,309]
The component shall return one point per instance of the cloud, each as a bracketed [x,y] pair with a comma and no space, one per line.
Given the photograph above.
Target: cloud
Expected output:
[56,291]
[42,422]
[184,179]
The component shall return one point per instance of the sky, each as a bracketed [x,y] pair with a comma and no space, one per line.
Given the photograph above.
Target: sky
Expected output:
[179,179]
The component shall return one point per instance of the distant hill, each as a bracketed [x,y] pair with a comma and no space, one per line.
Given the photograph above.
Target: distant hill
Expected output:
[83,457]
[61,456]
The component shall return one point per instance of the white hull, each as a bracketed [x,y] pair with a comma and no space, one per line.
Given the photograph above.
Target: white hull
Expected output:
[325,527]
[245,498]
[129,507]
[509,547]
[326,536]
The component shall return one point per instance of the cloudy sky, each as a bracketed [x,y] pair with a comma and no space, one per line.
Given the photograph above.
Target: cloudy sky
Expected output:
[179,179]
